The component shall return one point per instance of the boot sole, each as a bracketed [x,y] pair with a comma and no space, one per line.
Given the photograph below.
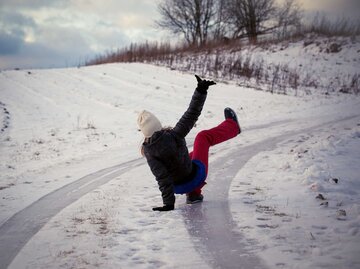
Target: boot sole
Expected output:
[234,119]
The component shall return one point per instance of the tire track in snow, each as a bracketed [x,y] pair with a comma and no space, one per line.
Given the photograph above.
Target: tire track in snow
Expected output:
[210,223]
[19,229]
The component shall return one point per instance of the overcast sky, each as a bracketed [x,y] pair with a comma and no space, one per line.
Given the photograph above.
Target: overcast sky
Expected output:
[60,33]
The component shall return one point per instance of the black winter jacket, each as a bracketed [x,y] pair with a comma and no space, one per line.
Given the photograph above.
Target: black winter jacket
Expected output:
[167,154]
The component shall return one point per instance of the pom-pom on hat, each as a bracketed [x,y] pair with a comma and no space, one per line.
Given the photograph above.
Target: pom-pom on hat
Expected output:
[148,123]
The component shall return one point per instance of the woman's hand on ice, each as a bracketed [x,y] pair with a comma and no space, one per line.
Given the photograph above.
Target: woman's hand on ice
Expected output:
[164,208]
[203,85]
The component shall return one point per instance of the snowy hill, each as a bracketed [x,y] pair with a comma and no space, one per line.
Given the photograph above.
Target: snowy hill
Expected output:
[309,65]
[62,125]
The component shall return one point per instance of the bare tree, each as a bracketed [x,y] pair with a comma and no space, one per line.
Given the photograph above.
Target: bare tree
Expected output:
[192,18]
[288,15]
[221,28]
[250,17]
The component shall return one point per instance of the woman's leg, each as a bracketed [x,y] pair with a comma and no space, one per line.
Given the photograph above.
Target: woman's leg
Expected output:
[207,138]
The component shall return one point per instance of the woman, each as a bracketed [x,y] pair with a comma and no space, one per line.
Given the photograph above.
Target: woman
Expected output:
[175,170]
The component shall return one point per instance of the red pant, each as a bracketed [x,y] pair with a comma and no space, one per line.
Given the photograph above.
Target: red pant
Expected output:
[207,138]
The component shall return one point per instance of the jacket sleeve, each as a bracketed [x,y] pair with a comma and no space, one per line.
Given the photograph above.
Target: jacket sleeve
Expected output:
[164,181]
[191,115]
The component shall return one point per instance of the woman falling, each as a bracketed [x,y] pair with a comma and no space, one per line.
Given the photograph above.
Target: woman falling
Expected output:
[177,171]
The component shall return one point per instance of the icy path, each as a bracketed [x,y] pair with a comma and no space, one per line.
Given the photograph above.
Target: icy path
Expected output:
[210,222]
[14,234]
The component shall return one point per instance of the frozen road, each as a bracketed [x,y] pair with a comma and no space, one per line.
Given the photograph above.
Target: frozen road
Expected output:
[210,222]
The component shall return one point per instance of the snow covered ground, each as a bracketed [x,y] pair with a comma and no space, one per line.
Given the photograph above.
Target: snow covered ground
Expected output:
[301,201]
[60,125]
[311,64]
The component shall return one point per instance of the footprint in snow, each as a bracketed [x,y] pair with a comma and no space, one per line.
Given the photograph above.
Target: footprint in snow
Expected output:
[263,219]
[265,226]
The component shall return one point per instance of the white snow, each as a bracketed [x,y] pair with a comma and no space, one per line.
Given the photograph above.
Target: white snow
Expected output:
[59,125]
[289,202]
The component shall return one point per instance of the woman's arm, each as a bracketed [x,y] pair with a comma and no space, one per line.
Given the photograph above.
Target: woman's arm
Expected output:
[165,183]
[191,115]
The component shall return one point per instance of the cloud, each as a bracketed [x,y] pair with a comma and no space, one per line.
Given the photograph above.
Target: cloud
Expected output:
[60,32]
[38,55]
[13,28]
[9,44]
[31,56]
[32,4]
[16,19]
[334,7]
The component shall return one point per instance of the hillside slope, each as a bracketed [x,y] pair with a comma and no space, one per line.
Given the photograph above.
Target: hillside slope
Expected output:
[308,65]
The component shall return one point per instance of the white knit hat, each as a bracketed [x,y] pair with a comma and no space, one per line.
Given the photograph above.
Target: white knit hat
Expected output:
[148,123]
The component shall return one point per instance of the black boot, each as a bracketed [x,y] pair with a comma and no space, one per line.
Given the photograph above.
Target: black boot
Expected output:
[193,198]
[230,114]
